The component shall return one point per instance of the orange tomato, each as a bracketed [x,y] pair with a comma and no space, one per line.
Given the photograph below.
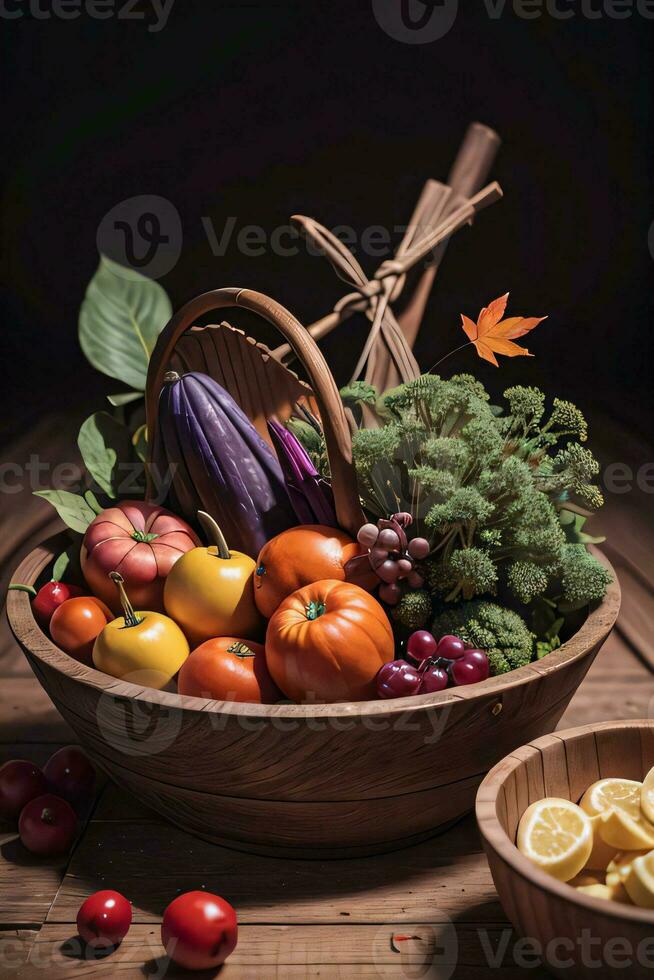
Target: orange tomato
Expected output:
[228,669]
[326,643]
[76,624]
[297,557]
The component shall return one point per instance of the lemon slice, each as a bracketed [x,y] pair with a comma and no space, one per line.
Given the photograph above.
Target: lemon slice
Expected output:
[626,833]
[647,796]
[557,836]
[618,870]
[602,854]
[612,793]
[640,881]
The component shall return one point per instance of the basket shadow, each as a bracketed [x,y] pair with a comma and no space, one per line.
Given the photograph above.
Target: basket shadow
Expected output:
[151,861]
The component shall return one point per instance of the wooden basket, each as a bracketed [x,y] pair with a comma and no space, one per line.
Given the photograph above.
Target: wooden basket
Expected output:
[305,780]
[541,908]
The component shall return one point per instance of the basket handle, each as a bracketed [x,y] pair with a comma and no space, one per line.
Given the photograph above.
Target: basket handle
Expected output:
[337,433]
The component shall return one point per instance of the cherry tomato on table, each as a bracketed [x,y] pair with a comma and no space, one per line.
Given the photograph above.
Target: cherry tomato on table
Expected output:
[70,774]
[104,919]
[47,825]
[199,930]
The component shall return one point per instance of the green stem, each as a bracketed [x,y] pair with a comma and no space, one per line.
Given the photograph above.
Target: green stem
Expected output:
[22,588]
[130,617]
[455,351]
[214,534]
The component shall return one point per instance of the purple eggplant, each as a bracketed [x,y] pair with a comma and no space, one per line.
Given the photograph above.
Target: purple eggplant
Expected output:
[310,495]
[218,462]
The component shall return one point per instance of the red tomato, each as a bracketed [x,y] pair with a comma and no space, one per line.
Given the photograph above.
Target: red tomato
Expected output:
[20,782]
[70,774]
[142,542]
[104,919]
[228,669]
[49,597]
[76,624]
[47,825]
[199,930]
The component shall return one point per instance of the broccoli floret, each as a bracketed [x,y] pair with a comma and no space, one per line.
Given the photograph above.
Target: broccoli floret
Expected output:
[466,504]
[583,578]
[525,404]
[527,580]
[469,572]
[501,633]
[571,420]
[369,446]
[413,610]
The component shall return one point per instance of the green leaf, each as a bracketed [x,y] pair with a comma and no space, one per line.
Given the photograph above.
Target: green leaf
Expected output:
[124,398]
[104,443]
[93,502]
[121,317]
[60,566]
[72,509]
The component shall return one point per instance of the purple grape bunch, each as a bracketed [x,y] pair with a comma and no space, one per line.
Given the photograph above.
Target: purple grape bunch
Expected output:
[392,556]
[432,666]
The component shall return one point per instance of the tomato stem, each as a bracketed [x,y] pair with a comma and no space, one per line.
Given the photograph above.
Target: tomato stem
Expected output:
[241,650]
[130,617]
[214,534]
[22,588]
[315,609]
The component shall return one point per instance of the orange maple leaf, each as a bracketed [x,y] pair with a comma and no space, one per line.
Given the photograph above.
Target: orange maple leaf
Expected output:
[492,335]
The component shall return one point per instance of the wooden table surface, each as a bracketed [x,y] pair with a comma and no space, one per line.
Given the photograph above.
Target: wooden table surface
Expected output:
[426,911]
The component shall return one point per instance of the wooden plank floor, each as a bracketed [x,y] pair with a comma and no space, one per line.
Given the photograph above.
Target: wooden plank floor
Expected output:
[427,911]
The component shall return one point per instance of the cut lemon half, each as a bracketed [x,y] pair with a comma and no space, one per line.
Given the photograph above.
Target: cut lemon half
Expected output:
[626,833]
[647,796]
[602,853]
[612,793]
[618,870]
[557,836]
[639,883]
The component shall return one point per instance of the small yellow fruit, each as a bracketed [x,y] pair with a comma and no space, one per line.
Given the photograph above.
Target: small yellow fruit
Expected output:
[625,833]
[557,836]
[211,592]
[640,881]
[647,796]
[587,878]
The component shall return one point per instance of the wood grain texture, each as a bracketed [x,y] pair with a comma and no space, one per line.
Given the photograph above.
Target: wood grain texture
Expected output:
[541,908]
[337,433]
[290,781]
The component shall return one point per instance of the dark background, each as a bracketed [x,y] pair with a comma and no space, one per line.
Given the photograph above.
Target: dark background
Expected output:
[261,110]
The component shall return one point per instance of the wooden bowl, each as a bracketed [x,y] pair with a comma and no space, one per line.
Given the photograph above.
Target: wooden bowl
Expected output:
[597,938]
[305,780]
